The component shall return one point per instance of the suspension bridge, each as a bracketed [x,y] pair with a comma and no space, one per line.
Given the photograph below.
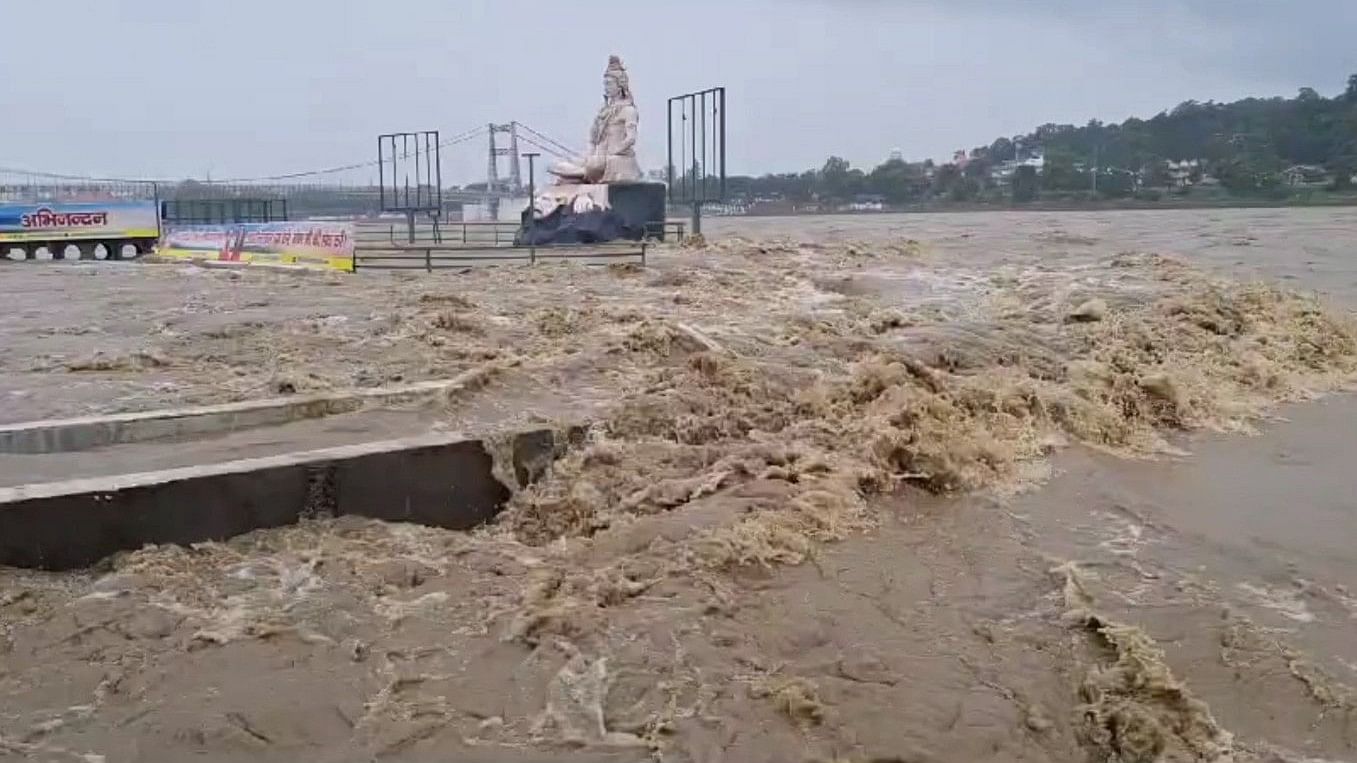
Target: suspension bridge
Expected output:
[347,189]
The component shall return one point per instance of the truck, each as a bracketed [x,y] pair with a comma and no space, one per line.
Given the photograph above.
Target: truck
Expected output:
[115,229]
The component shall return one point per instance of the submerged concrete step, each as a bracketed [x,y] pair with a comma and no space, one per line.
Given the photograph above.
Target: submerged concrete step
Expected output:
[356,428]
[87,432]
[439,480]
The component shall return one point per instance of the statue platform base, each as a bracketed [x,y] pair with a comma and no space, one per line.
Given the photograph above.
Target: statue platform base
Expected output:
[621,212]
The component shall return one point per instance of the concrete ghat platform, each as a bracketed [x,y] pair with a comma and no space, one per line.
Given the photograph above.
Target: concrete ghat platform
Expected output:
[339,430]
[438,480]
[86,433]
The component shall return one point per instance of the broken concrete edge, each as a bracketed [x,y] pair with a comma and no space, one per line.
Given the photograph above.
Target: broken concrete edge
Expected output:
[281,267]
[117,482]
[88,432]
[441,480]
[524,458]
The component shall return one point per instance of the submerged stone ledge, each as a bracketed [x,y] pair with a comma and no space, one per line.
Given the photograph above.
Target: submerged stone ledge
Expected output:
[440,480]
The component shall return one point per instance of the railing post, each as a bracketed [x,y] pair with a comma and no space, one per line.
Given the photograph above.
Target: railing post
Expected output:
[428,259]
[643,254]
[532,255]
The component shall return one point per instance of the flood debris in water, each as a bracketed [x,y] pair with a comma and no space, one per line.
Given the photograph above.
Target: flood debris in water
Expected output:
[742,419]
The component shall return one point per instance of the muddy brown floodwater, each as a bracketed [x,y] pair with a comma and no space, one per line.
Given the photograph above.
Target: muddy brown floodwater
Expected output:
[1058,487]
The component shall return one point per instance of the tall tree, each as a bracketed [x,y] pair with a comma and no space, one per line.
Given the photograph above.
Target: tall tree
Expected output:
[834,179]
[1246,144]
[1002,150]
[1060,173]
[946,178]
[899,181]
[1025,185]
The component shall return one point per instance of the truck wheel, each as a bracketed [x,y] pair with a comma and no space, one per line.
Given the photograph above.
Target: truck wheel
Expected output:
[71,252]
[125,250]
[101,250]
[16,252]
[42,252]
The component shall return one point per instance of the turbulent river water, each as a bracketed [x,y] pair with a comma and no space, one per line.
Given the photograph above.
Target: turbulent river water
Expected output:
[1067,487]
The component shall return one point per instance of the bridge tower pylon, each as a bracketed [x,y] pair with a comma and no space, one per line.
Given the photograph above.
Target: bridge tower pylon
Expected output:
[494,185]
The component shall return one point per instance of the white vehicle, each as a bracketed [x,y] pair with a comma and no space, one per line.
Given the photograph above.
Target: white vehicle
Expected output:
[82,230]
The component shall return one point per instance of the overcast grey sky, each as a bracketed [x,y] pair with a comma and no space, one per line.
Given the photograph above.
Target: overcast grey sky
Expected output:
[172,88]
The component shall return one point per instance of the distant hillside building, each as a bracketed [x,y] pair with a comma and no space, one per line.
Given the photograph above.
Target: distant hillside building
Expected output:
[1306,176]
[867,202]
[1185,173]
[1003,172]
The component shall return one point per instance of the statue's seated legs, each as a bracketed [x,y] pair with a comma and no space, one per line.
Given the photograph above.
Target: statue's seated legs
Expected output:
[591,170]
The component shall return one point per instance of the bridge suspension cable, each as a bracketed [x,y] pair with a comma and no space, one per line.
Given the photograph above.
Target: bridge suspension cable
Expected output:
[551,146]
[461,138]
[456,139]
[545,148]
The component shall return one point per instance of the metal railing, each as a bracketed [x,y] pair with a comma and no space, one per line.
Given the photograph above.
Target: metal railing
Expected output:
[678,229]
[434,245]
[441,256]
[474,233]
[436,232]
[215,211]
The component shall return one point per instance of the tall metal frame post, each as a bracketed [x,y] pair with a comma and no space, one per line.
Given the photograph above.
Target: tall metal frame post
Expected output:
[401,152]
[701,137]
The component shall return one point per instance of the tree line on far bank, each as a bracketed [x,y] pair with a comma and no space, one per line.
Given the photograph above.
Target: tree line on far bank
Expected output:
[1253,147]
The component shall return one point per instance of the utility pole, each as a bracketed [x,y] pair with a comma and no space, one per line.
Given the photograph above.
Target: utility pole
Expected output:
[1096,151]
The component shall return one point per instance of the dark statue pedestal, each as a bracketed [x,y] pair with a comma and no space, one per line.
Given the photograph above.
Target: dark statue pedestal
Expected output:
[630,212]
